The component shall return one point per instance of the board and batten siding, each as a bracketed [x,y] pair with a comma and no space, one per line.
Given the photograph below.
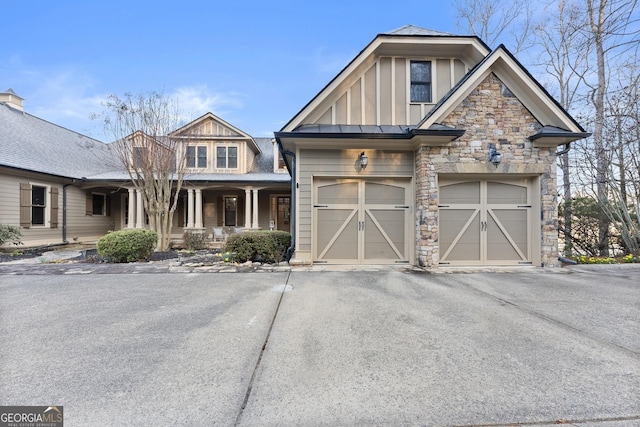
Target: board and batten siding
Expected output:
[341,164]
[379,95]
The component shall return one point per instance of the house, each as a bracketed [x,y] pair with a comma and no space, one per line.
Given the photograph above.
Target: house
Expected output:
[62,187]
[428,149]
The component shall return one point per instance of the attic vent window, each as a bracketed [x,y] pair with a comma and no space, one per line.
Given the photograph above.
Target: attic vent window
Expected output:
[420,81]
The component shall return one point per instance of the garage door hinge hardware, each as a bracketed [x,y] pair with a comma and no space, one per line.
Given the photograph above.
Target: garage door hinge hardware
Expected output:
[320,206]
[402,207]
[524,206]
[443,206]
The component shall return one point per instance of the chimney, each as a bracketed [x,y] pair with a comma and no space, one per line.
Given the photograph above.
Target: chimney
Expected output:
[10,98]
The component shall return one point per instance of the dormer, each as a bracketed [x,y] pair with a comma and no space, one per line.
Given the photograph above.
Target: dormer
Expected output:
[215,146]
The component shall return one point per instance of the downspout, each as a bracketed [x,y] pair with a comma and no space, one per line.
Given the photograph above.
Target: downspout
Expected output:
[566,149]
[292,172]
[64,212]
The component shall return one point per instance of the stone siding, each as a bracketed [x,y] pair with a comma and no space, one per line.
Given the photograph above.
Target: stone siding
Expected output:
[490,114]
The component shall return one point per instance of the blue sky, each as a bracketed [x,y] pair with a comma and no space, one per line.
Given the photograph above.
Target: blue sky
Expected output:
[253,63]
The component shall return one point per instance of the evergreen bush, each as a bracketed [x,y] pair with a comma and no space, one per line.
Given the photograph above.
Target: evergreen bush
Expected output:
[194,240]
[127,245]
[10,233]
[260,246]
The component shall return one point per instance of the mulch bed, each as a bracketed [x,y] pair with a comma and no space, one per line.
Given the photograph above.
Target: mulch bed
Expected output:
[91,255]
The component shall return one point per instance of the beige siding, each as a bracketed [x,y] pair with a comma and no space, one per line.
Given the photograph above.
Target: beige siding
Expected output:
[341,110]
[377,94]
[339,163]
[443,77]
[386,88]
[85,228]
[459,70]
[80,225]
[370,103]
[400,92]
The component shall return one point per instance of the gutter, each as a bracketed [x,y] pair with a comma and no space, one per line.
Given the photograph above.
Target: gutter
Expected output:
[292,215]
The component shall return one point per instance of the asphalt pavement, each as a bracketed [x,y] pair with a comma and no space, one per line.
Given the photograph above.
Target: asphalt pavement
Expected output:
[377,347]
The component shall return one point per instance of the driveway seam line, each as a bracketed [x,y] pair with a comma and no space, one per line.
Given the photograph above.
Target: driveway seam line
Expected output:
[553,321]
[264,346]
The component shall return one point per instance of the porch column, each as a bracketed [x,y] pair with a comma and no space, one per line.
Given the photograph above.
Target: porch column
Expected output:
[139,210]
[247,208]
[190,207]
[198,223]
[131,215]
[255,209]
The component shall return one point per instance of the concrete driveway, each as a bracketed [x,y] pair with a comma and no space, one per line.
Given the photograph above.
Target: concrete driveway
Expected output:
[303,348]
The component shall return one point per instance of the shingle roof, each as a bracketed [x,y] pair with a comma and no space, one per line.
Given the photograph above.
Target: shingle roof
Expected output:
[30,143]
[412,30]
[260,171]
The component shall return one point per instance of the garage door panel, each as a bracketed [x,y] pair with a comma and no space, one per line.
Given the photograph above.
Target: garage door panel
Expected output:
[485,221]
[362,220]
[463,192]
[339,239]
[338,193]
[507,239]
[385,234]
[503,193]
[460,235]
[383,193]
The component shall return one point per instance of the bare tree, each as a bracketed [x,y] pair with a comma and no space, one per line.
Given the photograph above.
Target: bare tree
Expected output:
[156,164]
[564,61]
[612,31]
[497,21]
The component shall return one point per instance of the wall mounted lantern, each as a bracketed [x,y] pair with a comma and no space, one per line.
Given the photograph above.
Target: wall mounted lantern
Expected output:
[494,155]
[363,160]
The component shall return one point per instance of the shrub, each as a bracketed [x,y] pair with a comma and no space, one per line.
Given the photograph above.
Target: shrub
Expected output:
[262,246]
[10,233]
[127,245]
[194,240]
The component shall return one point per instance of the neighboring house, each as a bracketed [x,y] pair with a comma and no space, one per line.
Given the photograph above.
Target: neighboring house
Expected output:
[63,187]
[428,149]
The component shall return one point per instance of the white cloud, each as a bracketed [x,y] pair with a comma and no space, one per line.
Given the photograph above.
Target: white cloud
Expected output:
[195,101]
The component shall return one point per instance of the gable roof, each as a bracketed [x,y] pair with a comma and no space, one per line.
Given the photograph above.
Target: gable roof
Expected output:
[233,133]
[520,82]
[407,40]
[30,143]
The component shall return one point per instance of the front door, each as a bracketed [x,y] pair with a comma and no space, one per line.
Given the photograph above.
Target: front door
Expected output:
[485,222]
[358,221]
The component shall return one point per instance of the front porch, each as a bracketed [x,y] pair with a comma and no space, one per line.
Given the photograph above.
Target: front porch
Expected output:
[217,211]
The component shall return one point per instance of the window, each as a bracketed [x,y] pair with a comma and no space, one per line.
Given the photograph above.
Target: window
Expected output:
[139,155]
[99,204]
[196,156]
[279,164]
[230,210]
[420,81]
[227,157]
[38,205]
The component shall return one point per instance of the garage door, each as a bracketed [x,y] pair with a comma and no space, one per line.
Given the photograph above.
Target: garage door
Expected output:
[485,222]
[360,221]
